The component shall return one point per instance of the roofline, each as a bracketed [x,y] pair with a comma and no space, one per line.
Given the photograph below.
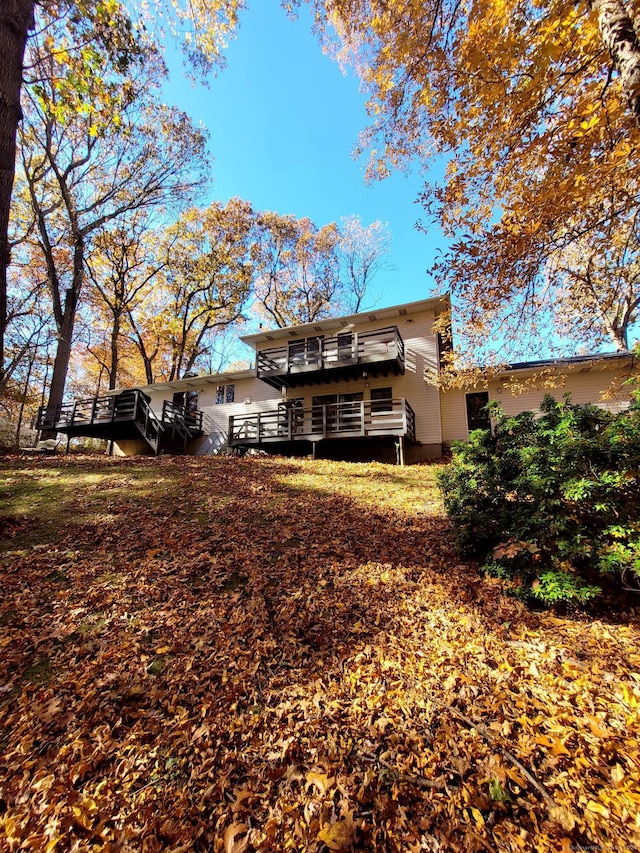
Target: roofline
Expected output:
[336,323]
[592,358]
[193,382]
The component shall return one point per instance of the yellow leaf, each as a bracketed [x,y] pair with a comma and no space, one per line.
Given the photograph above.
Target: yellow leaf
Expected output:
[338,835]
[597,808]
[321,781]
[82,817]
[596,728]
[563,817]
[477,816]
[617,774]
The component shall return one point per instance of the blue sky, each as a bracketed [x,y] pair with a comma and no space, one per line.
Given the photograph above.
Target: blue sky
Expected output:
[283,121]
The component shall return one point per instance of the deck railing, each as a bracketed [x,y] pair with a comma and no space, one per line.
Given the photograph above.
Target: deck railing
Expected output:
[101,415]
[332,420]
[128,406]
[345,348]
[182,418]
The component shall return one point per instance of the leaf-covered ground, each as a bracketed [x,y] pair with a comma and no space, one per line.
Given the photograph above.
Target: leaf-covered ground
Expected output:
[264,654]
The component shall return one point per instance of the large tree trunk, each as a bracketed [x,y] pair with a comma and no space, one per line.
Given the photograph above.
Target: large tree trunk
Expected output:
[621,40]
[115,354]
[65,331]
[63,356]
[16,19]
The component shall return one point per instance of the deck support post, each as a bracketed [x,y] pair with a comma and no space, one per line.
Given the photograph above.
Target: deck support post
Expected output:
[68,442]
[401,449]
[314,444]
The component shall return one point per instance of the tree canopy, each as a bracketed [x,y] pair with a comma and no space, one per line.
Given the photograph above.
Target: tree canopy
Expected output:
[535,106]
[80,35]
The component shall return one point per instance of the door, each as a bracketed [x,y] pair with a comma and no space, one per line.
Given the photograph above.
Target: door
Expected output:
[477,414]
[349,411]
[296,408]
[305,353]
[317,417]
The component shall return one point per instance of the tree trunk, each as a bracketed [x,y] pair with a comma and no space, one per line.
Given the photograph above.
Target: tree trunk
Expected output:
[23,401]
[139,343]
[115,336]
[65,329]
[620,39]
[16,19]
[63,355]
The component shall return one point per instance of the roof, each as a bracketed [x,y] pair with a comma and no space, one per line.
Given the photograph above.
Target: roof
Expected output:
[192,382]
[592,358]
[435,303]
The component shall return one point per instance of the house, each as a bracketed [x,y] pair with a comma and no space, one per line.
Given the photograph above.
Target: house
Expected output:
[360,387]
[599,379]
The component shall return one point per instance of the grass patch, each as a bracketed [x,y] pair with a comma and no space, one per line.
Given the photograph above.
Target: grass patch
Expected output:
[40,672]
[232,583]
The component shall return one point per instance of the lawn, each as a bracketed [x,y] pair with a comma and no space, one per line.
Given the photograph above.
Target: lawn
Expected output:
[222,654]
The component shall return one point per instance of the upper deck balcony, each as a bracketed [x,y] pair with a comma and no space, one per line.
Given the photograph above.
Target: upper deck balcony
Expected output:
[346,355]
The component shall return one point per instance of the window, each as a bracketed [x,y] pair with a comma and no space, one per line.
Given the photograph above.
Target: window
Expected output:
[477,414]
[305,352]
[381,400]
[345,346]
[192,401]
[349,410]
[225,394]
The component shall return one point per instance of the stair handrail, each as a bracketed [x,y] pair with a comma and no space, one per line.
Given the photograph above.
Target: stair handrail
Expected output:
[148,420]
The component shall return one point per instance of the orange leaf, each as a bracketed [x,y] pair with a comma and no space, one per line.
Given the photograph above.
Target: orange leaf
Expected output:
[229,839]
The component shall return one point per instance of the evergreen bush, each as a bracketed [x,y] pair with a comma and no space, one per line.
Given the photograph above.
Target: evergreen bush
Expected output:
[551,499]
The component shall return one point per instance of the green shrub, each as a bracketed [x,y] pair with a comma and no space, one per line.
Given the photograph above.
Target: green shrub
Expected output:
[551,499]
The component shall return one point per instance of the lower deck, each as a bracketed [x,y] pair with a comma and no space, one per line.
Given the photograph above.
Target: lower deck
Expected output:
[291,422]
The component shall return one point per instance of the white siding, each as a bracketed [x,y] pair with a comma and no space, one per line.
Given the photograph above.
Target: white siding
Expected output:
[251,395]
[585,384]
[600,384]
[421,347]
[454,415]
[215,423]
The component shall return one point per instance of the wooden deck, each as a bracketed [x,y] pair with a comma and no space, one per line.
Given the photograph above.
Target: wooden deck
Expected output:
[124,416]
[345,356]
[363,419]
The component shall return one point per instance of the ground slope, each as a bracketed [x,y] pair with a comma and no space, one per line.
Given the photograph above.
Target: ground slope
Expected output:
[263,654]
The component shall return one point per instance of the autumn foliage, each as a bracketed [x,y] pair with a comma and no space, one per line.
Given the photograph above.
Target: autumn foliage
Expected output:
[246,654]
[532,110]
